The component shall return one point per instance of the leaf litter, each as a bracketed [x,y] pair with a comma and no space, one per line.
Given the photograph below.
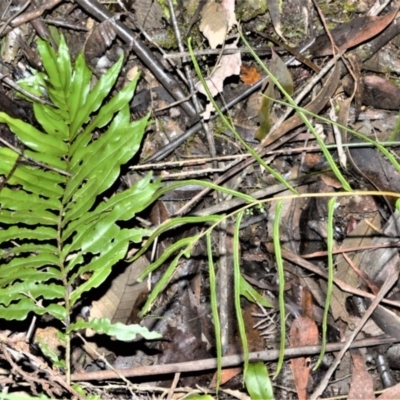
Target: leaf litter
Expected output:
[182,313]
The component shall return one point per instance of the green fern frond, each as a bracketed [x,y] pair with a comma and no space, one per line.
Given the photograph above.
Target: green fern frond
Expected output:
[54,227]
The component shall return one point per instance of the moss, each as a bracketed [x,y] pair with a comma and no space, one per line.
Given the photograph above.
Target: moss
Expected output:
[165,38]
[249,9]
[350,7]
[190,7]
[338,11]
[261,26]
[219,127]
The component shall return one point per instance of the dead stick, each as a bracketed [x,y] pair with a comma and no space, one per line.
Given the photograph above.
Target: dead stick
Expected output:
[227,361]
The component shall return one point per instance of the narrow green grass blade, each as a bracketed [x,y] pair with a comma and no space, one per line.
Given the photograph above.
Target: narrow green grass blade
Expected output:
[301,113]
[365,138]
[214,309]
[166,276]
[281,276]
[171,224]
[210,185]
[236,279]
[396,129]
[270,170]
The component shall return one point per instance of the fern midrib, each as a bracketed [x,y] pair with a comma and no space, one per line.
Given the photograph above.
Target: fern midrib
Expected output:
[62,259]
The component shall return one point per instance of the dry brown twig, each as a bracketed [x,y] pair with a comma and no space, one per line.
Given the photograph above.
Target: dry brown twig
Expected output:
[28,16]
[227,361]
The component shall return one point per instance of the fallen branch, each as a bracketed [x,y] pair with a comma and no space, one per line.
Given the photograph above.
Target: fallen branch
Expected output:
[227,361]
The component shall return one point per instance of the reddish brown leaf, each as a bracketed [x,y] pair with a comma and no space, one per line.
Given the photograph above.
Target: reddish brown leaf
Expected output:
[362,385]
[249,75]
[306,304]
[227,375]
[391,393]
[351,34]
[303,332]
[254,339]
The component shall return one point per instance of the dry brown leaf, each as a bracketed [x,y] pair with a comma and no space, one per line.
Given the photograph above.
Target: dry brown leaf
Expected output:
[226,375]
[351,33]
[229,65]
[49,336]
[99,39]
[392,393]
[117,303]
[217,20]
[275,10]
[378,265]
[377,92]
[254,339]
[237,394]
[303,332]
[149,14]
[330,180]
[362,385]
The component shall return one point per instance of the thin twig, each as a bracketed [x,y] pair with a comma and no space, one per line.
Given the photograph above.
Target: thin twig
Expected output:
[266,50]
[144,54]
[227,361]
[23,8]
[295,258]
[18,88]
[21,153]
[29,16]
[389,282]
[63,24]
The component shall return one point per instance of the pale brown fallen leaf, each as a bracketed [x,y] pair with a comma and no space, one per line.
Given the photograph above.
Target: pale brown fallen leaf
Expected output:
[229,65]
[362,385]
[217,19]
[275,10]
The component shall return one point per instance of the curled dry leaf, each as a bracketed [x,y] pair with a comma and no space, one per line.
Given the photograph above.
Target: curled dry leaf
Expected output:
[229,65]
[351,34]
[99,39]
[217,19]
[275,10]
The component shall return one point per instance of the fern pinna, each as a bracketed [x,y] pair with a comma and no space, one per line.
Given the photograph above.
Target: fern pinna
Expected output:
[54,227]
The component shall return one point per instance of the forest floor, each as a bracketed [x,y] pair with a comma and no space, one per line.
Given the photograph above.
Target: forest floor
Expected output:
[314,189]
